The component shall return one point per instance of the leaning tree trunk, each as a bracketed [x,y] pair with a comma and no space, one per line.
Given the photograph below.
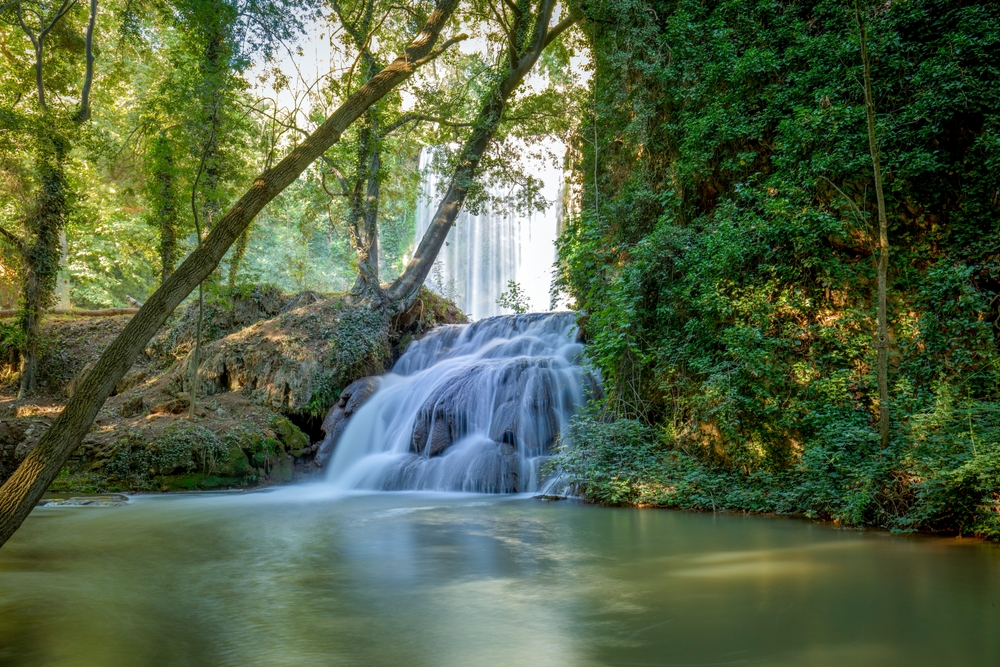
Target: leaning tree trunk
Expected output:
[882,364]
[22,490]
[403,291]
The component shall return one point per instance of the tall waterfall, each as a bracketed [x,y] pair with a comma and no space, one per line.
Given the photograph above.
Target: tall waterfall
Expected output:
[484,252]
[473,407]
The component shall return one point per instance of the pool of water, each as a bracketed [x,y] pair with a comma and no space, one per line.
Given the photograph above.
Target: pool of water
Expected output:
[301,577]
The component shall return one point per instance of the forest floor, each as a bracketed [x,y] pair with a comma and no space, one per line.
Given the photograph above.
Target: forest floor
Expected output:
[271,367]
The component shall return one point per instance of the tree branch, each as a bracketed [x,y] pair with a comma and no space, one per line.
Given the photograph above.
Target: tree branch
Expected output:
[441,49]
[66,6]
[414,117]
[560,28]
[13,239]
[84,113]
[36,42]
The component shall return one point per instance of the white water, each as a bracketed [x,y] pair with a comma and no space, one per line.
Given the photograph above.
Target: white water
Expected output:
[474,407]
[484,252]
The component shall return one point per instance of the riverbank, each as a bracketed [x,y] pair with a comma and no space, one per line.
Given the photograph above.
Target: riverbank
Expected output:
[930,480]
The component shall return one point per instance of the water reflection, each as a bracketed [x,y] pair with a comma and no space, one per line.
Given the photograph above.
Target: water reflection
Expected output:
[300,577]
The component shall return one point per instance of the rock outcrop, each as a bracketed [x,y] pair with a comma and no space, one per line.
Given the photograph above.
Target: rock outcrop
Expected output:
[273,364]
[351,399]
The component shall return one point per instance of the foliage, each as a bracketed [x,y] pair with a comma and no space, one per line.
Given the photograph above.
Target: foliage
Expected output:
[184,457]
[514,298]
[361,347]
[724,253]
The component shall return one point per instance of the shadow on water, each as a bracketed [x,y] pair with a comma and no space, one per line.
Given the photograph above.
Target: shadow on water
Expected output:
[308,576]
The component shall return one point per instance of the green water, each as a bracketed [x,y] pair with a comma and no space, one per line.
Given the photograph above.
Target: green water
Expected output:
[298,578]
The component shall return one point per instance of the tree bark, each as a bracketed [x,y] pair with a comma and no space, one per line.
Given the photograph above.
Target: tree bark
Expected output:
[882,364]
[22,490]
[403,291]
[365,208]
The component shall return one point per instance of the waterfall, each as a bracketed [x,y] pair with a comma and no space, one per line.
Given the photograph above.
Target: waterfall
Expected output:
[473,407]
[483,252]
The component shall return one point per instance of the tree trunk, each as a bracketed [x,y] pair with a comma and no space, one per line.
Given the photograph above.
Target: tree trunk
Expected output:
[166,210]
[882,364]
[22,490]
[403,291]
[236,259]
[365,207]
[41,256]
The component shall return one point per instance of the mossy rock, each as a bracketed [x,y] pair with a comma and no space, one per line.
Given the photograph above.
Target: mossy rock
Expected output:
[198,481]
[234,463]
[282,471]
[289,434]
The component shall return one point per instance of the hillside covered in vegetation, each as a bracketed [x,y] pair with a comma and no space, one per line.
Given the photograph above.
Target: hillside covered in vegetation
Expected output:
[726,250]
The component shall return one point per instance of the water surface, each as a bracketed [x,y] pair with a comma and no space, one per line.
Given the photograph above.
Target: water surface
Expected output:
[301,577]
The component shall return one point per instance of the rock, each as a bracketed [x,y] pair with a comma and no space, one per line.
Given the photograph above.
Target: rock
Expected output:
[350,401]
[133,406]
[112,500]
[236,463]
[290,362]
[290,435]
[282,471]
[130,380]
[515,398]
[172,407]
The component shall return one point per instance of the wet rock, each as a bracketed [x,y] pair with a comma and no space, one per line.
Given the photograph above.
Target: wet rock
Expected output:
[282,471]
[350,401]
[513,400]
[235,462]
[112,500]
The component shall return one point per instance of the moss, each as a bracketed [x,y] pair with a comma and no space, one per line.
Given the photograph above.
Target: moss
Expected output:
[290,435]
[79,481]
[181,451]
[198,481]
[282,471]
[359,346]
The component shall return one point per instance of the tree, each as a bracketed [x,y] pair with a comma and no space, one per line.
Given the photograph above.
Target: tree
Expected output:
[526,35]
[882,339]
[22,490]
[55,127]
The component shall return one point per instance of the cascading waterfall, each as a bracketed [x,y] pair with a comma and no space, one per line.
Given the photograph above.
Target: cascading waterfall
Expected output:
[483,252]
[474,407]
